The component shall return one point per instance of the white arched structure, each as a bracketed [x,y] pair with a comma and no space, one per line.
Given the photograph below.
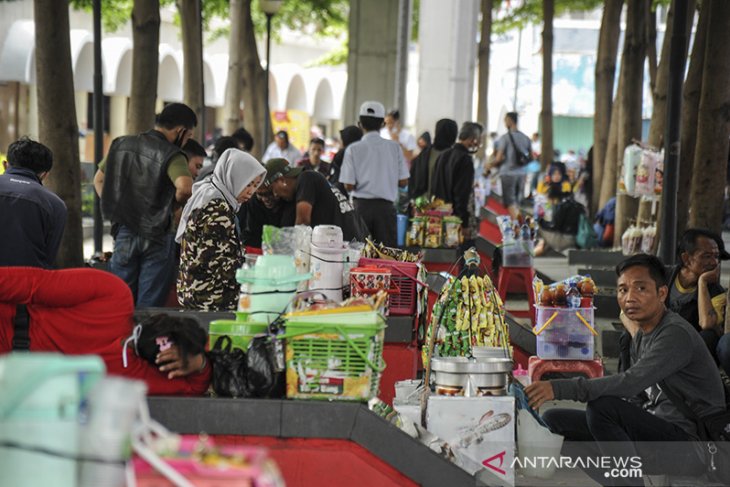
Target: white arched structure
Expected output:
[117,55]
[169,77]
[282,75]
[82,60]
[218,64]
[16,57]
[296,95]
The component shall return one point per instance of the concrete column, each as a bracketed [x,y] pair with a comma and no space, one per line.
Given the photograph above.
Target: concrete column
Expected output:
[448,56]
[373,54]
[82,105]
[117,116]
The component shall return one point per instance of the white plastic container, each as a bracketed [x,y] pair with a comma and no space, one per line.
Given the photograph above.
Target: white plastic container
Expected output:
[535,442]
[327,261]
[40,406]
[113,405]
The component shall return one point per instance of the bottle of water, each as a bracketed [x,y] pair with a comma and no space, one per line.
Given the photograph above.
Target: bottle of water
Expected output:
[573,296]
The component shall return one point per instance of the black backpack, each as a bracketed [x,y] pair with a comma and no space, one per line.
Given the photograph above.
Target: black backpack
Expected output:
[566,217]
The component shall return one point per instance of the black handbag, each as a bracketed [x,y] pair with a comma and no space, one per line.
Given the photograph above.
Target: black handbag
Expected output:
[229,369]
[523,158]
[714,432]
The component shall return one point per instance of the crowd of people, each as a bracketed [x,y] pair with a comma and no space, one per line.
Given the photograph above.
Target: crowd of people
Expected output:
[183,218]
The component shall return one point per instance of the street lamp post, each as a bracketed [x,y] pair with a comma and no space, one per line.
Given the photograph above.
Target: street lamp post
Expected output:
[270,8]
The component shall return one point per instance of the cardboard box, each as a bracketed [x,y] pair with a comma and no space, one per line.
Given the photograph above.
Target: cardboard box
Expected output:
[479,430]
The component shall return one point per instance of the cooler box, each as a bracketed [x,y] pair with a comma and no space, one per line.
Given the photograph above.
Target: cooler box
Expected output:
[565,333]
[334,355]
[480,431]
[40,403]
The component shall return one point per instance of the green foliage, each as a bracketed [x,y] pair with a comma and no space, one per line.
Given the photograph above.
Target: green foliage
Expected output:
[114,13]
[530,12]
[335,57]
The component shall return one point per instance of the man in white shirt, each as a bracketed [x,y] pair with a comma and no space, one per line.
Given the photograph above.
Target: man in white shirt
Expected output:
[280,148]
[372,171]
[393,130]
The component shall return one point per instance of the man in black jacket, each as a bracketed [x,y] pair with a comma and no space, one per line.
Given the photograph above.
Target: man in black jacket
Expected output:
[423,165]
[32,217]
[140,182]
[453,178]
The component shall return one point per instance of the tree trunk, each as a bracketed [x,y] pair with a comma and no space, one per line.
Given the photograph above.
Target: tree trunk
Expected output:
[608,183]
[651,54]
[630,101]
[605,74]
[483,88]
[690,106]
[659,113]
[57,126]
[713,124]
[145,64]
[632,72]
[235,68]
[546,115]
[254,85]
[193,60]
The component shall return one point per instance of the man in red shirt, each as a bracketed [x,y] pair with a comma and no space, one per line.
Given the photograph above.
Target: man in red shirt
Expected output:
[86,311]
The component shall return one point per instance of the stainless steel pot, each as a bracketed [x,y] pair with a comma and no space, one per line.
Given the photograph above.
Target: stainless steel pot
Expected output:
[484,372]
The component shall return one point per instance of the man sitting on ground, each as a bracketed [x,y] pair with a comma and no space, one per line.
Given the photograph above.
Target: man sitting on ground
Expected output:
[695,292]
[631,407]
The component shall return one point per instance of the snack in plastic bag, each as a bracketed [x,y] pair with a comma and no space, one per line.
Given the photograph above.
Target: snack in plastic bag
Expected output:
[452,231]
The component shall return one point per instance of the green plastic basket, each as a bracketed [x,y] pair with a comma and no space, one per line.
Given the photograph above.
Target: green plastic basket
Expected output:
[241,332]
[334,360]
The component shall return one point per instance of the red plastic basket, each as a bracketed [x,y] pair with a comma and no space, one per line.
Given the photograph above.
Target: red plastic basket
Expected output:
[403,275]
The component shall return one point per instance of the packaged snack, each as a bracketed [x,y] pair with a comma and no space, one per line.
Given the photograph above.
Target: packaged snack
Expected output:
[647,239]
[416,233]
[434,228]
[452,231]
[632,158]
[645,173]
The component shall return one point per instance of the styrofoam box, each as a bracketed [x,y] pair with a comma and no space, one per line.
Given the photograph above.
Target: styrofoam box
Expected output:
[566,337]
[479,430]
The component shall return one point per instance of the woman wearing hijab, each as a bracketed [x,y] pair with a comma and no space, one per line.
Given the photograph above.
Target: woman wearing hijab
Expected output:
[423,165]
[210,245]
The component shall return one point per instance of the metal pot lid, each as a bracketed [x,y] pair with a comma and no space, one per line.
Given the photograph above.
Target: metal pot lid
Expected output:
[464,365]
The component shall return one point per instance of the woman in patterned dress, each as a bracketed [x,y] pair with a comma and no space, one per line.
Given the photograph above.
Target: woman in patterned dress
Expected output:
[210,245]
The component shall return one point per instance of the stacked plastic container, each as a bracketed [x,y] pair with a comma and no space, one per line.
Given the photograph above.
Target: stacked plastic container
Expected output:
[564,321]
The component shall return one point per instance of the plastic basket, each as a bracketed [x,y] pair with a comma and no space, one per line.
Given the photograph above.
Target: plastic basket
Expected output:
[241,332]
[565,333]
[403,275]
[334,356]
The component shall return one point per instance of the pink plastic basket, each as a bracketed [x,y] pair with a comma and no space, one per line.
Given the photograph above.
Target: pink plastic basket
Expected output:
[202,475]
[403,275]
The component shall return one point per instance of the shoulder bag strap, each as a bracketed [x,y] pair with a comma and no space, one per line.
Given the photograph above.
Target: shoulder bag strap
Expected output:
[684,408]
[21,336]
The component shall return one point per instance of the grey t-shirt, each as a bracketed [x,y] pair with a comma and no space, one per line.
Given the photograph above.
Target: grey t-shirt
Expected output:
[509,166]
[673,352]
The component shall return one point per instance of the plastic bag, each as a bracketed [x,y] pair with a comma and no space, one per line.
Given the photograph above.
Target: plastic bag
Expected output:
[264,378]
[229,369]
[294,241]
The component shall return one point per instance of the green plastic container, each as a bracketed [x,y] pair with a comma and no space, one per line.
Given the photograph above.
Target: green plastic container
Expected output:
[40,403]
[334,356]
[240,332]
[268,287]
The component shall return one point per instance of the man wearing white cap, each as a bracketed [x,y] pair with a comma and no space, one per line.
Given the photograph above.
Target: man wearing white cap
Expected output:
[372,171]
